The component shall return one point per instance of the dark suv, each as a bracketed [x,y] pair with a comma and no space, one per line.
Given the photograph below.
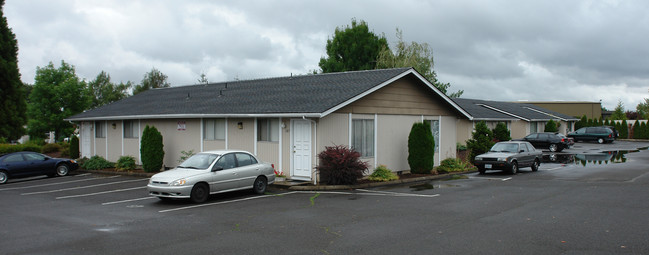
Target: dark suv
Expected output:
[599,134]
[549,141]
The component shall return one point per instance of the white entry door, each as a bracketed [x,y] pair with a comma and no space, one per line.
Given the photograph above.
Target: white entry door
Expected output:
[86,135]
[301,153]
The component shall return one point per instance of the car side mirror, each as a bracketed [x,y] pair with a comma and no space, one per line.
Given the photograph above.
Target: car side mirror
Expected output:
[217,168]
[522,151]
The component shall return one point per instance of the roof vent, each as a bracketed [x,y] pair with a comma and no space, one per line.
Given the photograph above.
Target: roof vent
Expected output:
[187,96]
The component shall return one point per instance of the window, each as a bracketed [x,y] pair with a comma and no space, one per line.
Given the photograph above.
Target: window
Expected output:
[363,137]
[34,157]
[434,127]
[131,129]
[227,161]
[14,158]
[268,130]
[533,127]
[245,159]
[214,129]
[100,129]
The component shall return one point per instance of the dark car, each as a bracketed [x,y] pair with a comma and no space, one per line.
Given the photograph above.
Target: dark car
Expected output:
[27,163]
[549,141]
[509,156]
[599,134]
[569,141]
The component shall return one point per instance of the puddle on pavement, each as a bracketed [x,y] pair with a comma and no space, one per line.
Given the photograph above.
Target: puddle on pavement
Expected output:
[428,186]
[607,157]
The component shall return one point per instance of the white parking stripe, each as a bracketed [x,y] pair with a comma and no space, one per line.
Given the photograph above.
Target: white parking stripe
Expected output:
[369,193]
[82,187]
[490,178]
[126,201]
[58,183]
[100,193]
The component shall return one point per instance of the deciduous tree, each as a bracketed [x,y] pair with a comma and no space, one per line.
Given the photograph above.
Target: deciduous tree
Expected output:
[102,91]
[57,94]
[416,55]
[352,48]
[12,99]
[153,79]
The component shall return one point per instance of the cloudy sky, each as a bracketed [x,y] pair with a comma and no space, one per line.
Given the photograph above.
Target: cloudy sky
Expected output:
[495,50]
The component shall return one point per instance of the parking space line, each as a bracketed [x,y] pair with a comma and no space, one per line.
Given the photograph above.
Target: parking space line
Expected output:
[491,178]
[99,193]
[552,169]
[83,187]
[58,183]
[369,193]
[126,201]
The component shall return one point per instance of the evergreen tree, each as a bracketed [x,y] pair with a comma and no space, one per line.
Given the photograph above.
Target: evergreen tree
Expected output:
[624,130]
[12,100]
[581,123]
[501,133]
[550,126]
[152,150]
[618,113]
[421,148]
[481,140]
[636,130]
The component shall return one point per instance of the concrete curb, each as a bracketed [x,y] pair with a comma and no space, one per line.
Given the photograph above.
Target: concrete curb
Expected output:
[376,184]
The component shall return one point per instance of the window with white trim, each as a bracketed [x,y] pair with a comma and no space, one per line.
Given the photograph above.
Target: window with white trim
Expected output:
[434,127]
[268,130]
[131,129]
[214,129]
[363,136]
[100,129]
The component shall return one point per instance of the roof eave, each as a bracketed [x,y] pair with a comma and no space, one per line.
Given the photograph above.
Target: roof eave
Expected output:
[199,116]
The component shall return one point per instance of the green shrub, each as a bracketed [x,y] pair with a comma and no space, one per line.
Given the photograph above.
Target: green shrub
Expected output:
[453,165]
[96,163]
[382,174]
[51,147]
[501,133]
[480,141]
[125,163]
[74,147]
[152,149]
[9,148]
[421,148]
[551,126]
[339,165]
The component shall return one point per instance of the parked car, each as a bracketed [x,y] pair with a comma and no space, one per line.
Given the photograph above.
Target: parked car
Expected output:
[212,172]
[509,156]
[27,163]
[599,134]
[615,133]
[551,141]
[569,140]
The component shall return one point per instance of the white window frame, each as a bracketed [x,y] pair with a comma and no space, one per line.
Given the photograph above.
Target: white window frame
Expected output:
[365,144]
[214,129]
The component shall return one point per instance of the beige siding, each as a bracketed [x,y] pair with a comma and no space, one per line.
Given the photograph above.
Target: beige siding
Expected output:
[392,144]
[333,130]
[209,145]
[404,96]
[448,143]
[175,141]
[100,146]
[241,139]
[268,152]
[132,148]
[285,165]
[519,129]
[464,128]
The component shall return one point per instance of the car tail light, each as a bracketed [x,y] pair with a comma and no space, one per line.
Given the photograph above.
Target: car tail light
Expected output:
[563,140]
[273,166]
[610,135]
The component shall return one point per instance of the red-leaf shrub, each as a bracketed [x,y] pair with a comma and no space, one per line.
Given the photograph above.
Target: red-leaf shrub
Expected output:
[340,165]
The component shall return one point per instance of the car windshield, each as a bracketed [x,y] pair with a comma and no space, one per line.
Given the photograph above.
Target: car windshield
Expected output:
[199,161]
[505,147]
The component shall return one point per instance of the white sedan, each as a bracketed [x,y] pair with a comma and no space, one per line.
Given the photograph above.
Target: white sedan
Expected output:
[212,172]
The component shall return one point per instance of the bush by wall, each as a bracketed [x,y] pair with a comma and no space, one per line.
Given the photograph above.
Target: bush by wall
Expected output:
[382,174]
[501,133]
[51,148]
[453,165]
[96,163]
[74,147]
[125,163]
[152,149]
[421,148]
[9,148]
[340,165]
[551,126]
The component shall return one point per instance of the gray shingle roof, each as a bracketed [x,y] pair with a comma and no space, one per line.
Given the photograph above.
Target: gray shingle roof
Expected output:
[296,95]
[495,110]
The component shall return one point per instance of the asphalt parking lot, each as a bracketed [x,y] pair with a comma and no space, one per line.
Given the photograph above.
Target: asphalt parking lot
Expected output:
[565,207]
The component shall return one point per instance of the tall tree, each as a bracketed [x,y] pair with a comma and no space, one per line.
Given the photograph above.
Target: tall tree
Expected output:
[153,79]
[102,91]
[416,55]
[643,109]
[57,94]
[618,113]
[12,99]
[352,48]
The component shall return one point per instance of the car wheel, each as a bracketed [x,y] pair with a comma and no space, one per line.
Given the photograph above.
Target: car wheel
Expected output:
[535,165]
[514,168]
[600,140]
[553,147]
[260,185]
[200,193]
[3,177]
[62,170]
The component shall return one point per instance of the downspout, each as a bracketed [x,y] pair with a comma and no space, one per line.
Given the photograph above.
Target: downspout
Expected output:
[315,144]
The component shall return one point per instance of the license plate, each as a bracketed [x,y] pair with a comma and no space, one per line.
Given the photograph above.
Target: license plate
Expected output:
[487,165]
